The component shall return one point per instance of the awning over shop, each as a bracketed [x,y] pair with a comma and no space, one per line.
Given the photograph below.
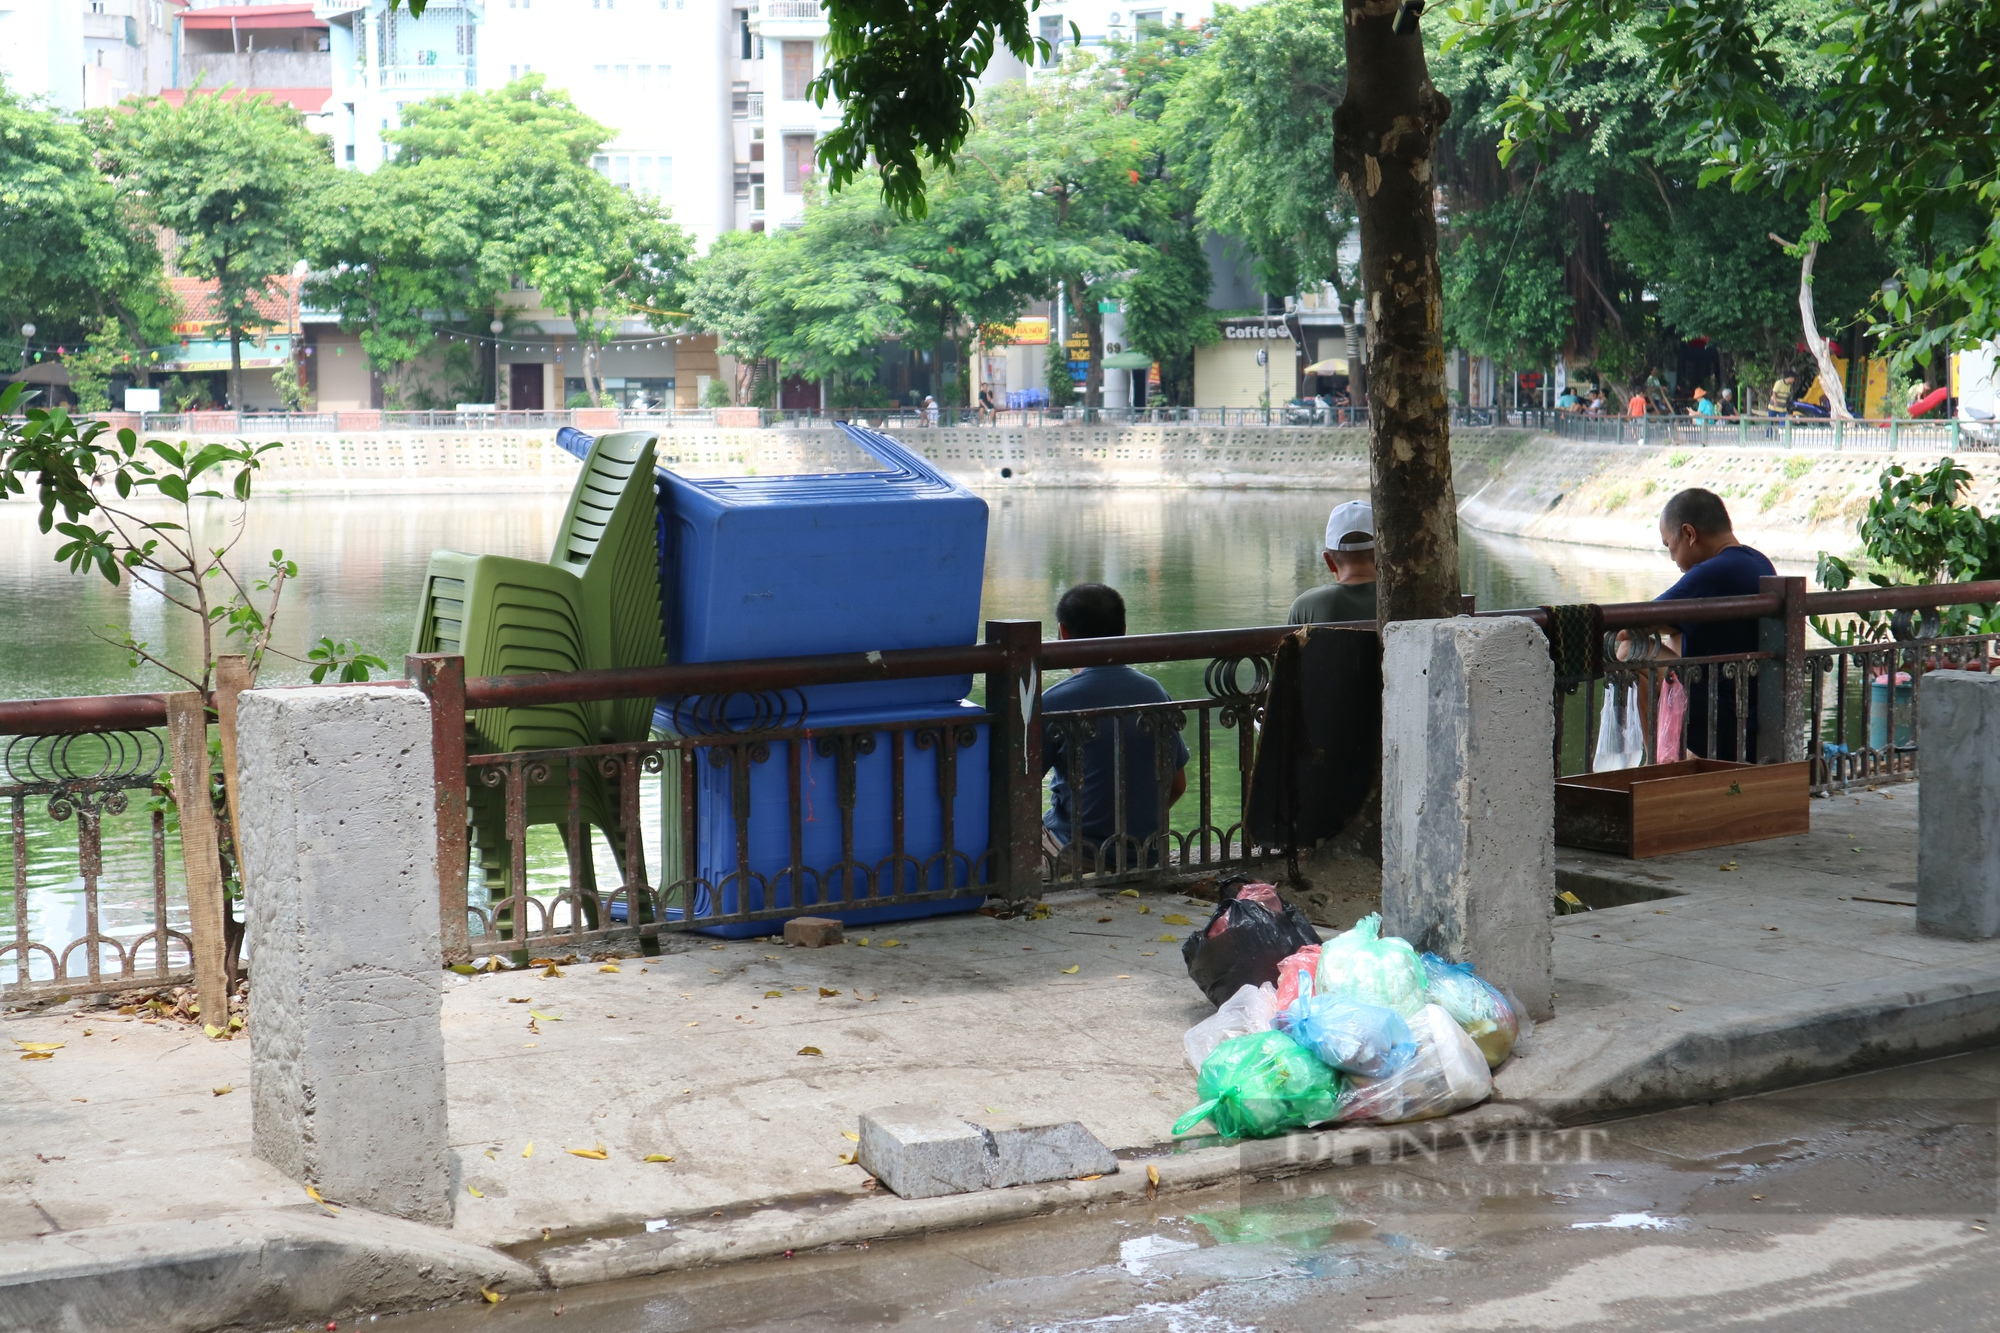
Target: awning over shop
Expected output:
[1333,365]
[1128,361]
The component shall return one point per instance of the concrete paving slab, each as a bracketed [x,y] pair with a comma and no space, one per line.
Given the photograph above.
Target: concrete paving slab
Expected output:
[704,1056]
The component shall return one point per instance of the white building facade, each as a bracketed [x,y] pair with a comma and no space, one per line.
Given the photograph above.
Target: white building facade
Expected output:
[41,50]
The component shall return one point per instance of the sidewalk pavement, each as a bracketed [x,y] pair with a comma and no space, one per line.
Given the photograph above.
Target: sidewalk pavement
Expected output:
[128,1196]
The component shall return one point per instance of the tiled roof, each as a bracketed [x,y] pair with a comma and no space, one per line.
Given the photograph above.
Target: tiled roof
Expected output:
[196,298]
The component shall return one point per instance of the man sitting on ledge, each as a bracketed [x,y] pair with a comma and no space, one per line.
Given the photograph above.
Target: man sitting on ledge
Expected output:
[1350,557]
[1695,529]
[1093,611]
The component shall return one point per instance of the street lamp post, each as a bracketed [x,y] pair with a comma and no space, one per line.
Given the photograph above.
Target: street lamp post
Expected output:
[27,341]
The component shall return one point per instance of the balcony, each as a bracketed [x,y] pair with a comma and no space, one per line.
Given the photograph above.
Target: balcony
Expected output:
[791,9]
[789,18]
[428,78]
[329,8]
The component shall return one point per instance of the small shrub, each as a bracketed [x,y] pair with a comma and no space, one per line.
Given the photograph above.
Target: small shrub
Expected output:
[1678,458]
[1797,467]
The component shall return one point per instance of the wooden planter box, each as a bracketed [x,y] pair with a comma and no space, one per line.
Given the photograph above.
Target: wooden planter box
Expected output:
[1662,808]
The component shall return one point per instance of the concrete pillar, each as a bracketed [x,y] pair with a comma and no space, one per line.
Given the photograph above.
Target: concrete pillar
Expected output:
[1958,840]
[346,1041]
[1468,803]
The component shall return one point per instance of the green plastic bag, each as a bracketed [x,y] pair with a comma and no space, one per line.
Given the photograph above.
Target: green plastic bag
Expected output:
[1260,1084]
[1363,966]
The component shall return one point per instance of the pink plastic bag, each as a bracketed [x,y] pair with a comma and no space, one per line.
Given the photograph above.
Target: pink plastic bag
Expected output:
[1669,743]
[1264,895]
[1296,974]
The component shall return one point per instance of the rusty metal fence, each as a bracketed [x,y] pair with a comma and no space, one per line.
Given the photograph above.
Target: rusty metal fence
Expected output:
[747,809]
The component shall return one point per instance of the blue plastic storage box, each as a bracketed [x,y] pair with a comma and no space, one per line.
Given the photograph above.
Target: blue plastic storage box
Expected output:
[836,563]
[866,890]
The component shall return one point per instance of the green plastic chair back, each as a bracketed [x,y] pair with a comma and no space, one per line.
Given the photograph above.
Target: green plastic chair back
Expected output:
[609,541]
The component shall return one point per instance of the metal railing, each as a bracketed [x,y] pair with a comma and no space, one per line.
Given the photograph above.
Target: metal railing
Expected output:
[751,809]
[1888,435]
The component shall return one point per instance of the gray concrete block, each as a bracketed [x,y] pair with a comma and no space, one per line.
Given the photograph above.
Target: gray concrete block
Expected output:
[346,1040]
[1958,820]
[920,1151]
[1468,799]
[1019,1154]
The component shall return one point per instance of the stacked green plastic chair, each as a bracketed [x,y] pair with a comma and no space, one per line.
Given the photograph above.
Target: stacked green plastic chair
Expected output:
[597,604]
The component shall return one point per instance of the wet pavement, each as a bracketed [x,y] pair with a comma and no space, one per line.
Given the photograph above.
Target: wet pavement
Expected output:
[1859,1204]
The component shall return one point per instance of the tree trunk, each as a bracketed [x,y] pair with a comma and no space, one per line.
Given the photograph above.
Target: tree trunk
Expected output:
[1829,374]
[235,369]
[1385,134]
[1093,378]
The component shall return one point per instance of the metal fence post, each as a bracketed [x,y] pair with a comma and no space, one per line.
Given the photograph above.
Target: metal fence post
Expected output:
[1014,698]
[441,676]
[1781,682]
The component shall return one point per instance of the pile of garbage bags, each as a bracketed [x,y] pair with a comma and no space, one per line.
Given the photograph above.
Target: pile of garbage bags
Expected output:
[1360,1028]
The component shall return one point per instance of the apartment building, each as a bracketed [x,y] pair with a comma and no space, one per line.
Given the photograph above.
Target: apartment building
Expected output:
[41,50]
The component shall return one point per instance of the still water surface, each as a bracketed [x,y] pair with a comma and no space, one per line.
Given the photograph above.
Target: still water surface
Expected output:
[1184,560]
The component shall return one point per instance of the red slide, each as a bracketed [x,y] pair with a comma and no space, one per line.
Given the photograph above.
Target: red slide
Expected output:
[1929,401]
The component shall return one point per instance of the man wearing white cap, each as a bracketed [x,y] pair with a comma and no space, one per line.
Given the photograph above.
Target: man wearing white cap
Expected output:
[1350,555]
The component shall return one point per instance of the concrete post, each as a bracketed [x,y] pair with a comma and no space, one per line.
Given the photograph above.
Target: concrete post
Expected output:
[346,1038]
[1468,811]
[1958,840]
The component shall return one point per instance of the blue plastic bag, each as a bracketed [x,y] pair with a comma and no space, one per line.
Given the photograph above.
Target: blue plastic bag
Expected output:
[1350,1035]
[1476,1005]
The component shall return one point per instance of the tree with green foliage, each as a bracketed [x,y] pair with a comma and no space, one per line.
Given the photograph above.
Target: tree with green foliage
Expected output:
[73,253]
[1896,127]
[232,181]
[92,366]
[486,187]
[1919,529]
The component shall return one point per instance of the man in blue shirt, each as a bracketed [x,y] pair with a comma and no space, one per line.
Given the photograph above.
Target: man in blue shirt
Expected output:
[1695,529]
[1093,611]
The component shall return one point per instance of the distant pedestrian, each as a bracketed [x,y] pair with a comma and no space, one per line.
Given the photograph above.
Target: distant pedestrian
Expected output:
[1726,404]
[1595,407]
[1703,405]
[1636,407]
[989,410]
[930,410]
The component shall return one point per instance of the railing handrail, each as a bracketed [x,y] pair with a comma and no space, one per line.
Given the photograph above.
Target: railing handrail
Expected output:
[119,712]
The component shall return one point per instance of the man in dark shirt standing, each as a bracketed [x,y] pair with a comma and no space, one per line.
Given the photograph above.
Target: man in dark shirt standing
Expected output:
[1350,556]
[1093,611]
[1695,529]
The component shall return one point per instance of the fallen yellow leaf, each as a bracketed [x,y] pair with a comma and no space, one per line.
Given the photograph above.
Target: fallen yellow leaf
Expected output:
[1124,976]
[312,1193]
[1166,939]
[552,971]
[862,940]
[41,1047]
[811,1050]
[546,1018]
[492,1156]
[224,1090]
[473,1192]
[825,992]
[1152,1175]
[520,999]
[235,1022]
[596,1154]
[1175,919]
[890,944]
[528,1151]
[1096,1176]
[610,967]
[658,1157]
[774,995]
[847,1159]
[211,1029]
[1145,909]
[1071,968]
[38,1055]
[850,1134]
[492,1297]
[1128,893]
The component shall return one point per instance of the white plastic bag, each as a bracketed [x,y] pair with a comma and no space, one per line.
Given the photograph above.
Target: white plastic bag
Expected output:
[1448,1074]
[1621,733]
[1251,1009]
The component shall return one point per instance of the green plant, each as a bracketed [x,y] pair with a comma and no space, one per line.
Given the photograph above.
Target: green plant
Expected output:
[1797,467]
[1917,526]
[578,399]
[91,369]
[92,477]
[718,393]
[1678,458]
[290,382]
[1056,376]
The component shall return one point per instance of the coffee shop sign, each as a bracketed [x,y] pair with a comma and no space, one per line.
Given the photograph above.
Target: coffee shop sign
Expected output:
[1260,329]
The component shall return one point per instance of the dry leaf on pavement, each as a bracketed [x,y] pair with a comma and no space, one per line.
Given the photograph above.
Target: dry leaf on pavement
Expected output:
[811,1050]
[596,1154]
[1175,919]
[1071,968]
[658,1157]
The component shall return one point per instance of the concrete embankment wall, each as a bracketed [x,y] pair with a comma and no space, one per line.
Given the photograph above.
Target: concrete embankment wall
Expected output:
[1789,503]
[1053,456]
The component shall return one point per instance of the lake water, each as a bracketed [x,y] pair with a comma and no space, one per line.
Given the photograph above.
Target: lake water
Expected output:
[1184,560]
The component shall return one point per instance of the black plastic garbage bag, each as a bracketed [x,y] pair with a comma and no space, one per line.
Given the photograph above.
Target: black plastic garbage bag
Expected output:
[1250,934]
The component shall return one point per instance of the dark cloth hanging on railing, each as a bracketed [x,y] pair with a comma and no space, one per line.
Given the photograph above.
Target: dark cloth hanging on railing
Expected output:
[1576,640]
[1319,754]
